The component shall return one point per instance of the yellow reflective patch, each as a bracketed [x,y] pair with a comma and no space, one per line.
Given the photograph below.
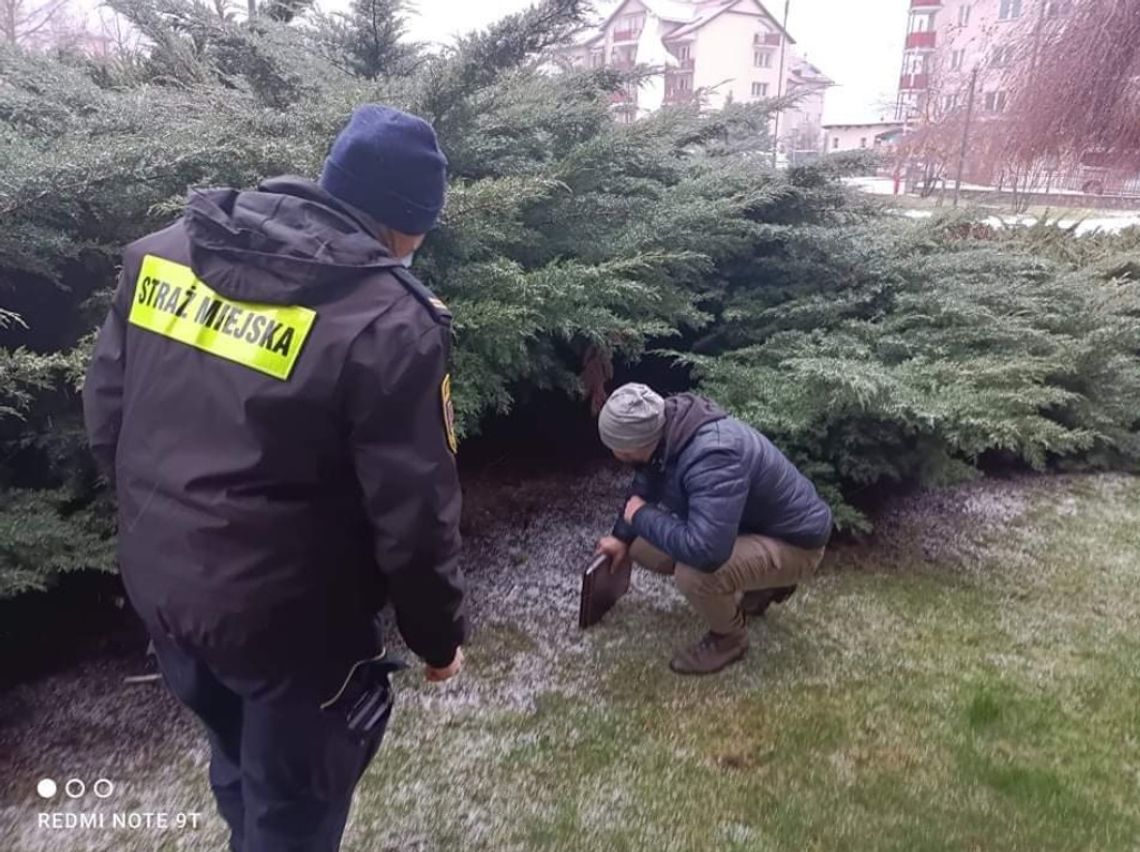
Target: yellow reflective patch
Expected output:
[449,414]
[170,300]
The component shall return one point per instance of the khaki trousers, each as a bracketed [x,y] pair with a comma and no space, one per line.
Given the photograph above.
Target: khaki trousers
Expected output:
[756,563]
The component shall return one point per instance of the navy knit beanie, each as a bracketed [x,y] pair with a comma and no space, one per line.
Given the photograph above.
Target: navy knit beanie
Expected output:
[388,164]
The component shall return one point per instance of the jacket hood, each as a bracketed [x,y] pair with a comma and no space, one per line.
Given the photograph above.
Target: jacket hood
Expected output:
[685,414]
[272,244]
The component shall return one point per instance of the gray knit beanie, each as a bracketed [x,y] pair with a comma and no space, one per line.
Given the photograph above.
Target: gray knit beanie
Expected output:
[632,419]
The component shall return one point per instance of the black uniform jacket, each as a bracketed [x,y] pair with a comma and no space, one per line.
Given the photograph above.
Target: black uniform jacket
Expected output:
[269,392]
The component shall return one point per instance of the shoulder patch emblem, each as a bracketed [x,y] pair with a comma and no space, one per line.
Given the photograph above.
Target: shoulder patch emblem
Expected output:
[449,414]
[425,296]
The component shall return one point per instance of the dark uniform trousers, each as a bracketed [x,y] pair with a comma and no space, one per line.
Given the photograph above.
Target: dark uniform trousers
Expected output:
[282,770]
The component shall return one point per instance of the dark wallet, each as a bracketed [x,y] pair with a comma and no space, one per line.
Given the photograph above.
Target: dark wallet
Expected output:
[601,589]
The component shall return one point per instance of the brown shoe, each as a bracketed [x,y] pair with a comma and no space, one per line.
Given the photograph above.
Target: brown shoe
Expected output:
[712,653]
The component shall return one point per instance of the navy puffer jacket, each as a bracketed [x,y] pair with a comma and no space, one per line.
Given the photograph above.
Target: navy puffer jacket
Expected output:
[714,478]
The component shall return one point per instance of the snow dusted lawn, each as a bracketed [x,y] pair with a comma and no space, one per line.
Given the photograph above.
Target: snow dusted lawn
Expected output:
[1108,221]
[969,680]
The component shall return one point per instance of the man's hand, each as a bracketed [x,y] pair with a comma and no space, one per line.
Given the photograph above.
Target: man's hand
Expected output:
[616,549]
[440,675]
[631,508]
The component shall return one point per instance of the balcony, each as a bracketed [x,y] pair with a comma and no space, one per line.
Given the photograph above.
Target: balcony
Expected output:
[772,39]
[621,96]
[679,96]
[914,82]
[683,66]
[626,35]
[925,4]
[921,40]
[622,63]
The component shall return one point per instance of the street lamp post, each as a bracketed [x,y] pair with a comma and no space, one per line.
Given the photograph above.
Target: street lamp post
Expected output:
[780,84]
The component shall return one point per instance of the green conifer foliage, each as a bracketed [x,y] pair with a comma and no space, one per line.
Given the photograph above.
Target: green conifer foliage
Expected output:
[874,349]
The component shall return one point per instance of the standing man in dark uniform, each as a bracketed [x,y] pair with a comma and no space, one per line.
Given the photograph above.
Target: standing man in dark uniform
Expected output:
[270,395]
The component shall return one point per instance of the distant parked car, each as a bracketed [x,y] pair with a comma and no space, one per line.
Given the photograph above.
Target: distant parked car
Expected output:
[1105,173]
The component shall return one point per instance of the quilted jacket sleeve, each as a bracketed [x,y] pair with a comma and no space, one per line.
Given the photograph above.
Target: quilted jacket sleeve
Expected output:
[715,483]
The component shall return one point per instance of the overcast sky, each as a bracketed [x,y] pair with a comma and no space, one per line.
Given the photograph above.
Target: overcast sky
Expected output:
[858,43]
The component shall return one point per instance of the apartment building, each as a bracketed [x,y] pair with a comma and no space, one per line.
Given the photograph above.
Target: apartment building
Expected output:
[951,42]
[714,52]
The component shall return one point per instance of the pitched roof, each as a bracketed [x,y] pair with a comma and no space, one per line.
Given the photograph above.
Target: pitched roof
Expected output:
[691,15]
[807,72]
[585,38]
[677,11]
[709,11]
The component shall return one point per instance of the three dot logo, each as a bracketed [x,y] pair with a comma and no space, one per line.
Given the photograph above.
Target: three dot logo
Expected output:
[75,788]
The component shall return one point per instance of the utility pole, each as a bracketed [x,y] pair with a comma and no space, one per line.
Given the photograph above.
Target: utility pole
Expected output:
[780,83]
[965,134]
[1037,31]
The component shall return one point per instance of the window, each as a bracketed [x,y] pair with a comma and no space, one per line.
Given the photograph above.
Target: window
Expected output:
[964,15]
[762,58]
[834,143]
[682,84]
[759,90]
[995,101]
[1059,8]
[597,59]
[1000,56]
[1009,9]
[863,142]
[766,38]
[684,51]
[624,57]
[627,24]
[908,103]
[950,103]
[915,63]
[957,58]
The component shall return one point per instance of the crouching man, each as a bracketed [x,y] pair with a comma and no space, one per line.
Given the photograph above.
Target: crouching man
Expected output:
[715,504]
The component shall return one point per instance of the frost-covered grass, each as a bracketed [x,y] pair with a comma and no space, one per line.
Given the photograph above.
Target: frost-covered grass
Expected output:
[969,680]
[972,681]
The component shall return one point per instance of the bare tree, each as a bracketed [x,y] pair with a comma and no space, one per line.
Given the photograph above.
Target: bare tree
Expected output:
[22,22]
[1082,92]
[958,127]
[120,40]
